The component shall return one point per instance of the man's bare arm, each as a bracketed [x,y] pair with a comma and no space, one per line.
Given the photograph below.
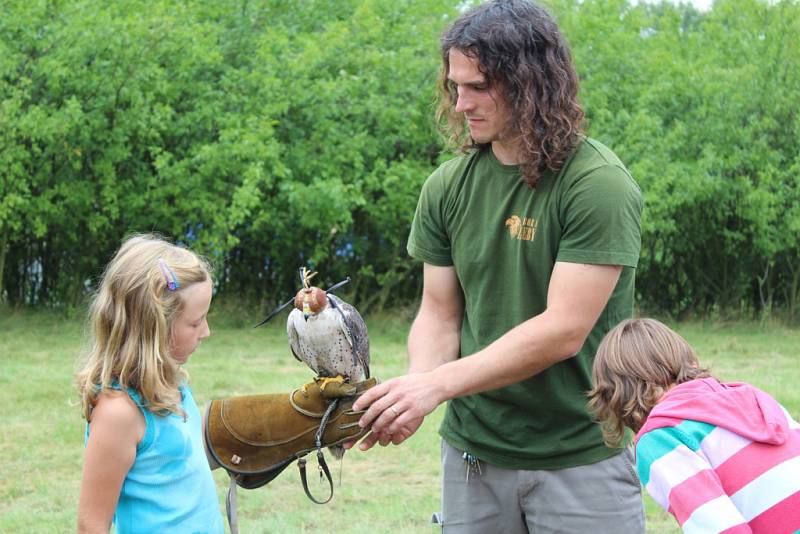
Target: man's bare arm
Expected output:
[435,336]
[576,296]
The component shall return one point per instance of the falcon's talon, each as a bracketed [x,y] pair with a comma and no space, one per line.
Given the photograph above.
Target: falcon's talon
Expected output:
[323,381]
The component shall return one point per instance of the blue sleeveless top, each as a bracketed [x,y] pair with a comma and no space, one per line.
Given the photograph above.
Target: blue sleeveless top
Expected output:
[169,487]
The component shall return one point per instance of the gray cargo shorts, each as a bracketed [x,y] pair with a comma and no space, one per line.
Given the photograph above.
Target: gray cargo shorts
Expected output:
[480,498]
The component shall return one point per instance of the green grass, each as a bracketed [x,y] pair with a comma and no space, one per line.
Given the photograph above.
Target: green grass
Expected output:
[392,489]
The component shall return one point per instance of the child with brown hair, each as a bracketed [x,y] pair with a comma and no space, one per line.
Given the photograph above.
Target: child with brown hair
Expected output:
[720,457]
[145,464]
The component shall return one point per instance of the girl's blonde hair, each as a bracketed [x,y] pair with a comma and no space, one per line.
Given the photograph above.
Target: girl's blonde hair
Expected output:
[131,318]
[637,362]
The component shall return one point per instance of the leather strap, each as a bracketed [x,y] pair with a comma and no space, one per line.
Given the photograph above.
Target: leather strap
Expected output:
[323,465]
[230,507]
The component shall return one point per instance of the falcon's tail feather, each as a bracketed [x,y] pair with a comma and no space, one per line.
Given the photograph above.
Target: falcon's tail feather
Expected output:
[337,451]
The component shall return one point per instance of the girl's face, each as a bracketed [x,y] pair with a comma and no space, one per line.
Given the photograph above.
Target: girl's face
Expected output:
[191,326]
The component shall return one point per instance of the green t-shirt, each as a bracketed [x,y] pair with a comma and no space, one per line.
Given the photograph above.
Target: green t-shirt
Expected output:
[503,238]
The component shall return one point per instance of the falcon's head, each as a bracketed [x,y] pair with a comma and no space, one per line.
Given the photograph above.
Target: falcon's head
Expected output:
[310,300]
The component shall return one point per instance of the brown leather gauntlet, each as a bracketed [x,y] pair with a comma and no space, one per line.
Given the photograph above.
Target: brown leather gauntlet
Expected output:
[256,437]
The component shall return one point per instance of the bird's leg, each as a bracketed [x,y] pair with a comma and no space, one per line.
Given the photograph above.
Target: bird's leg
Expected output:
[325,380]
[335,386]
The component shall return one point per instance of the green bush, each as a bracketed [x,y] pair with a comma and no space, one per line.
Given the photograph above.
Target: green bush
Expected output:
[274,135]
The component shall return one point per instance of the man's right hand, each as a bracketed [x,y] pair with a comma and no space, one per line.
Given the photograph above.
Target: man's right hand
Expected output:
[395,409]
[384,438]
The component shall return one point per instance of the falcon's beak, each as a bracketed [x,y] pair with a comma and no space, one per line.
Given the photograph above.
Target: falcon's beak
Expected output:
[306,316]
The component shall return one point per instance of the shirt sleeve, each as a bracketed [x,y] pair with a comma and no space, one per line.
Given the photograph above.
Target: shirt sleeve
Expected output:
[680,479]
[601,217]
[429,240]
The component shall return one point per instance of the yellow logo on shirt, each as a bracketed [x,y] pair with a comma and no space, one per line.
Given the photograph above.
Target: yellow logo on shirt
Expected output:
[521,228]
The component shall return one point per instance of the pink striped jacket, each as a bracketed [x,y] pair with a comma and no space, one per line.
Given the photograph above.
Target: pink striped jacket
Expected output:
[722,457]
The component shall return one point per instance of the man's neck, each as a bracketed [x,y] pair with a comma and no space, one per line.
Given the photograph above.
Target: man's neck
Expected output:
[506,153]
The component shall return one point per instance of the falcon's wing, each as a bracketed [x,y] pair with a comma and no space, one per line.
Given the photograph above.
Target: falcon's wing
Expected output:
[355,330]
[294,337]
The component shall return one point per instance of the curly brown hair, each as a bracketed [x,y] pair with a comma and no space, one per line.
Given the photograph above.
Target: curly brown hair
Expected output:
[637,362]
[522,52]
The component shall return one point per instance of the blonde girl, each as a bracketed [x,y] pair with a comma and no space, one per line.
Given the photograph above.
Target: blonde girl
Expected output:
[145,467]
[718,456]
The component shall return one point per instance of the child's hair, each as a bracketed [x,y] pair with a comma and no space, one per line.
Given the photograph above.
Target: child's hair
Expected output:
[131,318]
[636,363]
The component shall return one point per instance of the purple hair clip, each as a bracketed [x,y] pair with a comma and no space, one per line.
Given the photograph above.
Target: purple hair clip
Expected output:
[172,280]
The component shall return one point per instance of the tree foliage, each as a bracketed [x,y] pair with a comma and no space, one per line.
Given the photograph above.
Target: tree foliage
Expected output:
[270,135]
[702,108]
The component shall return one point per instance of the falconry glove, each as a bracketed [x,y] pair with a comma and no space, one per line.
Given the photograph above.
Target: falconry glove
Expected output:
[254,438]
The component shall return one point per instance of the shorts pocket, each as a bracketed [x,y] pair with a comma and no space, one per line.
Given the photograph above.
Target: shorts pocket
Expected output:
[630,464]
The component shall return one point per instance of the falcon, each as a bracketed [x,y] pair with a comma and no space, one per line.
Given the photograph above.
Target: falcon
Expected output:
[328,334]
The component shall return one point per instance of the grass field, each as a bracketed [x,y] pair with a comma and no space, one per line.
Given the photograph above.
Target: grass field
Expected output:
[386,490]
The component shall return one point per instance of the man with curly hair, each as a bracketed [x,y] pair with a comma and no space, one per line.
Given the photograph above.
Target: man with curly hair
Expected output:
[530,240]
